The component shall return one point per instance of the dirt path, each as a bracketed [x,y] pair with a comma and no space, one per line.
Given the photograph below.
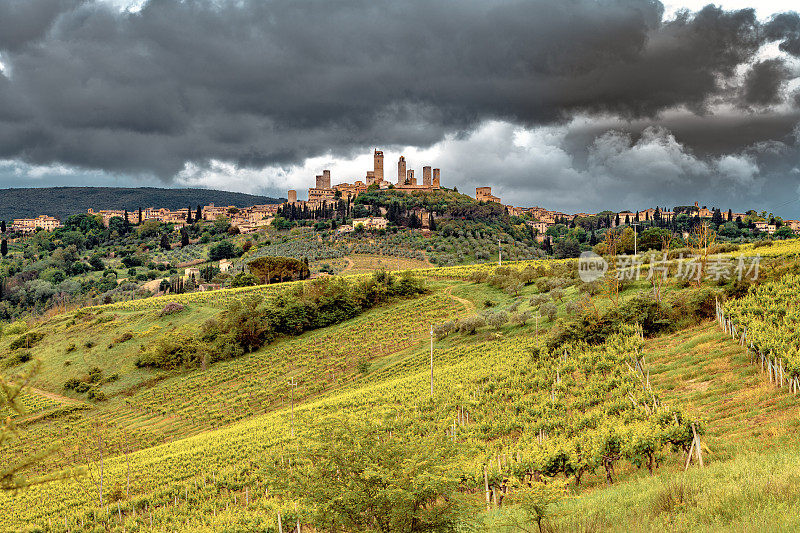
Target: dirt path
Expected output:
[55,397]
[349,265]
[466,303]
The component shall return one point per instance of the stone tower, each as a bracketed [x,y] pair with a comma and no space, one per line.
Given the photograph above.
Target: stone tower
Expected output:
[410,179]
[436,176]
[426,176]
[326,179]
[292,196]
[401,170]
[378,165]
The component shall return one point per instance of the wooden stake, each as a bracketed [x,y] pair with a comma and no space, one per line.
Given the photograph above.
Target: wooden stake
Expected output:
[486,486]
[698,448]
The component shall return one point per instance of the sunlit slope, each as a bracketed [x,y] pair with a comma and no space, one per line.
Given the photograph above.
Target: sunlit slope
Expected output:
[146,407]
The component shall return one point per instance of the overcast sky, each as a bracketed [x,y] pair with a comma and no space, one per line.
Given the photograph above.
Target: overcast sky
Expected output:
[577,105]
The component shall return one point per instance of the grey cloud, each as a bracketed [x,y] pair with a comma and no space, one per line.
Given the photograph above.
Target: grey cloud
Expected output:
[263,83]
[785,27]
[764,83]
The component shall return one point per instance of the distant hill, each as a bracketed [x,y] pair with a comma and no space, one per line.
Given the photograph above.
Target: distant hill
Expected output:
[64,201]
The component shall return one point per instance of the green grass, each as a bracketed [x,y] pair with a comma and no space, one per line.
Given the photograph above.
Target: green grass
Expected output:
[188,426]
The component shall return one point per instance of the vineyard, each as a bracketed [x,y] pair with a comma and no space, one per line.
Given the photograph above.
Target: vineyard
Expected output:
[767,323]
[512,415]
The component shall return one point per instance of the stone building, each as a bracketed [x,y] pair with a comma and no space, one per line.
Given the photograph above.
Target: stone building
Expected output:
[292,196]
[436,177]
[30,225]
[484,194]
[324,181]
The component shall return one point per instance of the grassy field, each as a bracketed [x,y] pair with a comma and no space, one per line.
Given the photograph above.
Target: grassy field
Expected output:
[184,450]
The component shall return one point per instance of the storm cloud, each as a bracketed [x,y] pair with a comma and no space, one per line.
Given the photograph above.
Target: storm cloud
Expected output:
[255,83]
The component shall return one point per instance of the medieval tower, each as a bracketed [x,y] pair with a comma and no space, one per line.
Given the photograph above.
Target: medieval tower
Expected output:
[378,166]
[426,176]
[401,170]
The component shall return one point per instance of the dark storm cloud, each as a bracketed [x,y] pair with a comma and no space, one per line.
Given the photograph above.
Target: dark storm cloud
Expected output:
[764,83]
[259,83]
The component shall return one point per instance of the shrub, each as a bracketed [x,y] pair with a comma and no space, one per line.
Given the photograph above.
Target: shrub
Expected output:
[95,375]
[171,308]
[96,395]
[70,348]
[26,341]
[18,357]
[71,383]
[124,337]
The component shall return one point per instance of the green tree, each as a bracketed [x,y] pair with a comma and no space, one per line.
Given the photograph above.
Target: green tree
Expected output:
[184,237]
[165,245]
[4,248]
[357,476]
[222,250]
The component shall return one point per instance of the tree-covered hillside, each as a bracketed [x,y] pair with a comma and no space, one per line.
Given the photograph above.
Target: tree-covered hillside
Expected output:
[64,201]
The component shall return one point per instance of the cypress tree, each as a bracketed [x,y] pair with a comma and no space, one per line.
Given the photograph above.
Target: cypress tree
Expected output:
[184,237]
[165,242]
[3,226]
[199,214]
[189,215]
[140,215]
[4,248]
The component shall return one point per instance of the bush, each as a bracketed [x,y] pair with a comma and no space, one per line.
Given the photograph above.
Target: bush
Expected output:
[96,395]
[71,383]
[18,357]
[171,308]
[124,337]
[26,341]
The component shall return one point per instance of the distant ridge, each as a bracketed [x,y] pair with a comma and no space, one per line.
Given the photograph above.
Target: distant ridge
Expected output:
[62,202]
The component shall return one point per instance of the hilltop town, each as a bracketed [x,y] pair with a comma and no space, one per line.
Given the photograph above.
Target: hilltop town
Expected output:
[324,195]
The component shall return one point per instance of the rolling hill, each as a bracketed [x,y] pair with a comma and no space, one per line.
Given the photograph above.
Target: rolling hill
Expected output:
[62,202]
[207,448]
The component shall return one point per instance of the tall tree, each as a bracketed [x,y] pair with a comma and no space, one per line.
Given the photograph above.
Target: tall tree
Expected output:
[4,248]
[189,215]
[184,237]
[3,226]
[199,214]
[140,215]
[165,242]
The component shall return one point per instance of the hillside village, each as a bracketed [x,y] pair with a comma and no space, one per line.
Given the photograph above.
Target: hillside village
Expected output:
[325,195]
